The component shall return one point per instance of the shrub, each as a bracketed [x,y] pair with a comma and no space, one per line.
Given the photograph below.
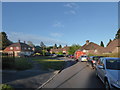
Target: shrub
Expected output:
[5,87]
[8,62]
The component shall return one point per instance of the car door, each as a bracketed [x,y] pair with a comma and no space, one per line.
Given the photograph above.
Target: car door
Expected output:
[101,71]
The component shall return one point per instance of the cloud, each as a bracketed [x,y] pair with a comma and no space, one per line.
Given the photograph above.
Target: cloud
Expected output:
[58,24]
[72,8]
[56,34]
[72,11]
[15,36]
[71,5]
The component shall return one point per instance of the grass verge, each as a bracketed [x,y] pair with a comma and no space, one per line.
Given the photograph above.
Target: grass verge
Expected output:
[51,64]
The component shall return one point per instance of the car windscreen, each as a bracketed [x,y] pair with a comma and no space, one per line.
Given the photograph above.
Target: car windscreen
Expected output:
[113,64]
[95,58]
[83,56]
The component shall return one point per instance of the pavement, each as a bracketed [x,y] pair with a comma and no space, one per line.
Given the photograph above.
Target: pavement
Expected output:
[77,76]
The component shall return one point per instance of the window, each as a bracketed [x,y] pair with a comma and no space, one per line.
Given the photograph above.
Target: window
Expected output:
[95,50]
[29,48]
[11,48]
[25,48]
[17,48]
[113,64]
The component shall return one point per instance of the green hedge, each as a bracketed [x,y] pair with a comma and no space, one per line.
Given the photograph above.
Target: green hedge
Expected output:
[5,87]
[16,63]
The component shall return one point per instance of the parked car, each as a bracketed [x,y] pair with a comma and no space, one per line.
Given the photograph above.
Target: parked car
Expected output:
[83,58]
[92,61]
[60,55]
[72,56]
[108,70]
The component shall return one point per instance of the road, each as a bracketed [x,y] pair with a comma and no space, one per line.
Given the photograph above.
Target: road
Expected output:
[77,76]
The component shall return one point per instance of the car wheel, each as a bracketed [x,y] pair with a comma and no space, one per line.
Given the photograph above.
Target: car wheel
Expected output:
[107,86]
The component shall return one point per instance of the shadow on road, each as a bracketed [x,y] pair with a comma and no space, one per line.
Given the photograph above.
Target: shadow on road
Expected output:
[68,64]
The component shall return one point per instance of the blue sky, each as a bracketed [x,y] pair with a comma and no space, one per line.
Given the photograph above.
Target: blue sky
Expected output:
[62,23]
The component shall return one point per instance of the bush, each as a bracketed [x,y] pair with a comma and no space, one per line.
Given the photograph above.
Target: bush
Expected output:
[8,62]
[15,64]
[5,87]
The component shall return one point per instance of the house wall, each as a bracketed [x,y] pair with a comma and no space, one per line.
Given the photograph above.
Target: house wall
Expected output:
[116,50]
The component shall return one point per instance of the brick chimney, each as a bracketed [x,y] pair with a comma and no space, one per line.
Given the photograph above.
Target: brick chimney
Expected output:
[87,42]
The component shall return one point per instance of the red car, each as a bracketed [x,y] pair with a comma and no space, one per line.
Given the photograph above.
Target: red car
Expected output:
[71,56]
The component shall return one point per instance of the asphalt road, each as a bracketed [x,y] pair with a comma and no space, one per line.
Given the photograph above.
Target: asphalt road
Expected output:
[77,76]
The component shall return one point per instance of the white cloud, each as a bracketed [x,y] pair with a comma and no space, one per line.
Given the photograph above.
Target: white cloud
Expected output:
[72,11]
[56,34]
[15,36]
[58,24]
[72,8]
[71,5]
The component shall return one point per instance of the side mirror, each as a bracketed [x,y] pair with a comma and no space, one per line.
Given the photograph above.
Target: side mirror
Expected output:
[100,67]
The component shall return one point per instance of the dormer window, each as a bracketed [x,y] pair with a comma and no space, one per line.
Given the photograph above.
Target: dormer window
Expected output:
[25,48]
[11,48]
[29,48]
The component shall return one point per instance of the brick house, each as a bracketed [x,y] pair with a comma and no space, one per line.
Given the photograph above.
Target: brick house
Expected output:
[113,47]
[92,48]
[19,49]
[64,50]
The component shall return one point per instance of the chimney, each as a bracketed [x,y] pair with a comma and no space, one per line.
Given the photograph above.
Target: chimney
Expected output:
[18,41]
[24,42]
[87,42]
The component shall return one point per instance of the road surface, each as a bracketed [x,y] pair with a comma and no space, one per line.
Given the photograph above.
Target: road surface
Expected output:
[76,76]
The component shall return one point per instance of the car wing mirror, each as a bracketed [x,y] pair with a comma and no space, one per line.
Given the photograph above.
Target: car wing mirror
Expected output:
[100,67]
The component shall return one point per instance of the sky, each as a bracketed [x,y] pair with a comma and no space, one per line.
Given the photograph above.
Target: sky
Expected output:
[64,23]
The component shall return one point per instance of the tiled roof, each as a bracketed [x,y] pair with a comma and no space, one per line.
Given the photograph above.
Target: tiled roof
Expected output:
[92,46]
[115,43]
[21,45]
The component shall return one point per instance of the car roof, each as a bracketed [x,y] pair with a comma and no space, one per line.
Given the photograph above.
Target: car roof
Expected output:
[114,58]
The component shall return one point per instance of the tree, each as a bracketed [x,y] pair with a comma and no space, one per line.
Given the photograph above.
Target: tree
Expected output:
[49,48]
[30,44]
[43,47]
[4,41]
[109,42]
[55,46]
[102,44]
[60,46]
[73,48]
[38,49]
[117,36]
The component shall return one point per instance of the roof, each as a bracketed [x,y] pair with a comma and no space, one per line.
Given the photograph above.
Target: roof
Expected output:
[112,45]
[92,46]
[21,45]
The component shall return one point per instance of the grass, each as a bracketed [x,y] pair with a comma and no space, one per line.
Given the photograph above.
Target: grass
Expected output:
[22,64]
[51,64]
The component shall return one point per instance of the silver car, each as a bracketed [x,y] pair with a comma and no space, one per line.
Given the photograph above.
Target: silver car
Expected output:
[108,70]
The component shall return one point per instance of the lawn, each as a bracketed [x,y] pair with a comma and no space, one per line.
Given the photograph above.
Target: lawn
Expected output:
[51,64]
